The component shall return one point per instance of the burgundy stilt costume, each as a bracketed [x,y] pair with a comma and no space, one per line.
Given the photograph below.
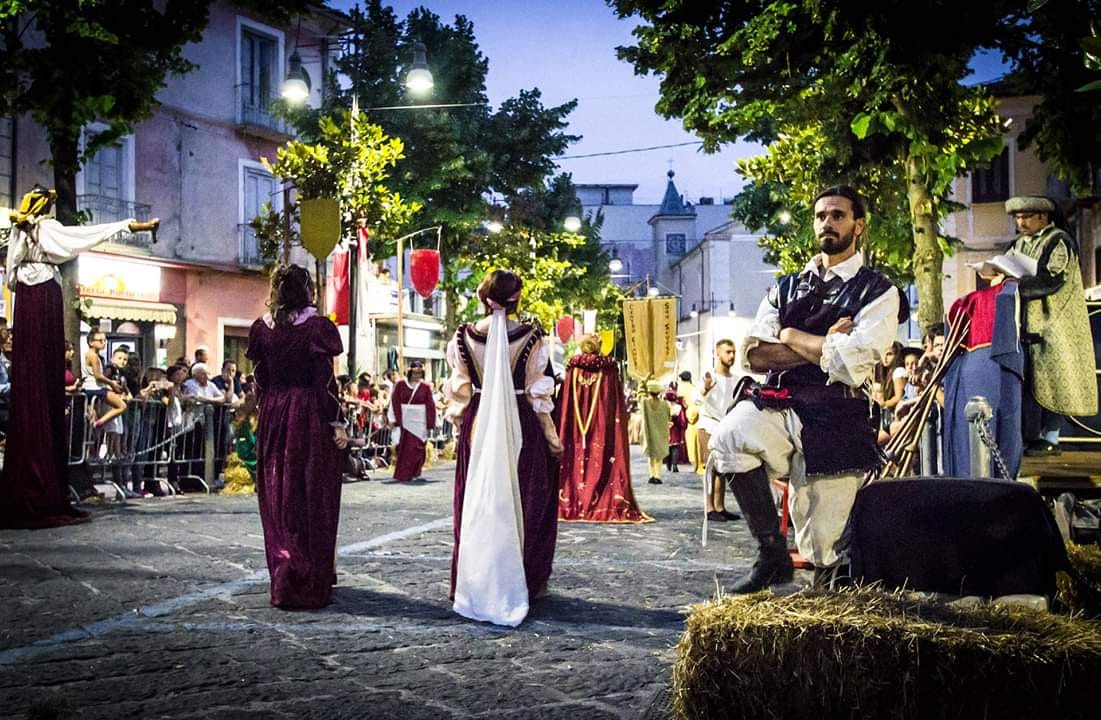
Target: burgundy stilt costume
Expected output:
[298,467]
[35,482]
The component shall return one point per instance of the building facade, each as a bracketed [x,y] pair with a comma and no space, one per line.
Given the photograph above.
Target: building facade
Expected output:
[712,264]
[196,165]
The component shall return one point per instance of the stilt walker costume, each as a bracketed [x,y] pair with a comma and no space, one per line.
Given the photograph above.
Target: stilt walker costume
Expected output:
[35,479]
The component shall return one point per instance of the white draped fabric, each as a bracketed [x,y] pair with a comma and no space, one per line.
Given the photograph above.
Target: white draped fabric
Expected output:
[489,582]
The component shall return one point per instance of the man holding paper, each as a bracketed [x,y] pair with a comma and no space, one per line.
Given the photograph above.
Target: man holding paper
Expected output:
[1059,376]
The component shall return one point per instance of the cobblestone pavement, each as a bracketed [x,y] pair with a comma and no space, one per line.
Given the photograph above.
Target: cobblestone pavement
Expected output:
[159,609]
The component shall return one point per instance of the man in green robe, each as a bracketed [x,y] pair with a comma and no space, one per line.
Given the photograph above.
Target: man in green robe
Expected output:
[1060,377]
[655,428]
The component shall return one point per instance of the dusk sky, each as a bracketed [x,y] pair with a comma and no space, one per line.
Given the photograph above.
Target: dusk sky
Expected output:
[566,48]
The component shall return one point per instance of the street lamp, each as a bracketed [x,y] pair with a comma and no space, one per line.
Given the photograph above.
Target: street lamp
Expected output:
[693,313]
[615,265]
[296,88]
[419,80]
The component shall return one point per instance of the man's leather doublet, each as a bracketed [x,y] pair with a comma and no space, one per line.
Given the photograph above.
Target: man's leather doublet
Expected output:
[839,430]
[808,303]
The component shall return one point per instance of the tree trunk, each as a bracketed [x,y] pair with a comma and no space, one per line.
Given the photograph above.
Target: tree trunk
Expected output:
[928,258]
[64,151]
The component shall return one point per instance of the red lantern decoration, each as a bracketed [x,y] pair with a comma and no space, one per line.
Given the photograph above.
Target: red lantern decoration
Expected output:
[565,329]
[424,271]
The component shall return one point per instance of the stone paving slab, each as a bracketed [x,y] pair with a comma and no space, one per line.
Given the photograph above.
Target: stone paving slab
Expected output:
[159,609]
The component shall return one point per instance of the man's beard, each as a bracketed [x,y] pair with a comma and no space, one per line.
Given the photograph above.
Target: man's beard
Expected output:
[834,245]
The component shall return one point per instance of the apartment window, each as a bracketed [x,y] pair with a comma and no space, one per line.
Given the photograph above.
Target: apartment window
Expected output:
[7,166]
[258,187]
[103,174]
[258,69]
[674,243]
[991,184]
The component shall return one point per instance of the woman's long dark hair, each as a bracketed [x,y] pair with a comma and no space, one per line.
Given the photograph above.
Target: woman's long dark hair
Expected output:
[291,290]
[502,287]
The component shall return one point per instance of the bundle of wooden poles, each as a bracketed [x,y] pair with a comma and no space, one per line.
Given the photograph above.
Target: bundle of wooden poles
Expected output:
[905,444]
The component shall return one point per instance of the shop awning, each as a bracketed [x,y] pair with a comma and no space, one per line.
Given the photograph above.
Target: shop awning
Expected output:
[132,310]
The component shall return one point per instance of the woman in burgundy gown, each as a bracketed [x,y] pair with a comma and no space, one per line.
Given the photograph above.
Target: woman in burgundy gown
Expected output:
[299,442]
[538,488]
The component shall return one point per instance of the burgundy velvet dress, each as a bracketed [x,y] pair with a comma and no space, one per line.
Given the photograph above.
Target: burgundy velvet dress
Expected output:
[596,463]
[538,487]
[410,454]
[298,467]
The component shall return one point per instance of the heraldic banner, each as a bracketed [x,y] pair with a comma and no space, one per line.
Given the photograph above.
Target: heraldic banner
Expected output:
[650,326]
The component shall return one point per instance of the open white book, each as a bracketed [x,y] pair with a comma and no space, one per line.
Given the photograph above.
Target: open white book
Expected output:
[1012,264]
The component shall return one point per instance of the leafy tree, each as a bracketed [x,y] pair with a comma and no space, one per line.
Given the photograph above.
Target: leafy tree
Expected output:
[563,272]
[455,158]
[882,82]
[1053,57]
[352,160]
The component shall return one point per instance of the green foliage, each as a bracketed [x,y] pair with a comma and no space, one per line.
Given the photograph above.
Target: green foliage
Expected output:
[838,92]
[352,161]
[455,158]
[568,272]
[1052,59]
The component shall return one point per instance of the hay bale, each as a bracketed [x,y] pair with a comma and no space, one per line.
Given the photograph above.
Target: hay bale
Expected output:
[1081,595]
[871,654]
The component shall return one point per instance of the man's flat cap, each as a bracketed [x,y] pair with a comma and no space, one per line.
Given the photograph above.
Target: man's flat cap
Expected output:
[1028,203]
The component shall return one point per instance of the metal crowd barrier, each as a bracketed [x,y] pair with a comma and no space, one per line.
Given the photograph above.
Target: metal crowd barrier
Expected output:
[149,447]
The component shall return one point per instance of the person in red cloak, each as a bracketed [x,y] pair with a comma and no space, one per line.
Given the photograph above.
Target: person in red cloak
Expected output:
[413,410]
[595,479]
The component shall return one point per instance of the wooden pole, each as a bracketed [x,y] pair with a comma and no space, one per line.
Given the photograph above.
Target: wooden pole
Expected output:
[401,303]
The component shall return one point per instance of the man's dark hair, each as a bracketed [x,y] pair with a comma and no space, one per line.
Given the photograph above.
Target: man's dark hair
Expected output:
[934,330]
[227,362]
[846,192]
[686,376]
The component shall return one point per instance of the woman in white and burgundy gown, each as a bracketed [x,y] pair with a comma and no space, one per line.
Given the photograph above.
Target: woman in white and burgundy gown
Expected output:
[505,494]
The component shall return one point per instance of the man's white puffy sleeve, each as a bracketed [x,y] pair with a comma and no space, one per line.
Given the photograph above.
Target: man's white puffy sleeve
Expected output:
[851,358]
[765,329]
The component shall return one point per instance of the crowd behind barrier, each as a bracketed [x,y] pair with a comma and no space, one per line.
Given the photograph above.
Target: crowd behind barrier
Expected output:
[144,446]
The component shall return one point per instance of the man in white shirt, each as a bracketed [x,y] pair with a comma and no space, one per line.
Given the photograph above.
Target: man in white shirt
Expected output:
[200,388]
[818,335]
[715,399]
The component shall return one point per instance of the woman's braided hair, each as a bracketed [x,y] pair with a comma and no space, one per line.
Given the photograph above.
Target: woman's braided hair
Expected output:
[291,290]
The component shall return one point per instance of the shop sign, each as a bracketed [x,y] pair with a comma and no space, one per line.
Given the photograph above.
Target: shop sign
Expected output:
[112,278]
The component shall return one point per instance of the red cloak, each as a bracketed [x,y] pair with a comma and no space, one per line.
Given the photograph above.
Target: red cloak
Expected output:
[595,479]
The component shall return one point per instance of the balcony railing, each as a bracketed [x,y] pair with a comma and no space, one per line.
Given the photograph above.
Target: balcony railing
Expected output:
[106,209]
[249,251]
[255,116]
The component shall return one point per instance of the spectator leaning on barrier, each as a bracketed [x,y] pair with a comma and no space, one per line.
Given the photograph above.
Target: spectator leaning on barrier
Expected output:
[201,389]
[230,379]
